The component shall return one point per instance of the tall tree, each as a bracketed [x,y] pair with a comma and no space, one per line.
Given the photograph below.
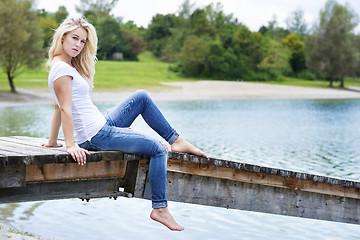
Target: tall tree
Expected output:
[330,49]
[20,38]
[60,14]
[159,32]
[101,8]
[47,25]
[296,46]
[111,39]
[295,22]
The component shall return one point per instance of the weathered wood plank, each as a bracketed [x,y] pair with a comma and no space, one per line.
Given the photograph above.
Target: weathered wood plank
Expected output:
[142,173]
[10,158]
[12,176]
[261,169]
[262,178]
[226,193]
[52,172]
[34,142]
[37,191]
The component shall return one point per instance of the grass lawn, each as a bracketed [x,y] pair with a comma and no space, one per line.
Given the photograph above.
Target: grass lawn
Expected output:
[147,73]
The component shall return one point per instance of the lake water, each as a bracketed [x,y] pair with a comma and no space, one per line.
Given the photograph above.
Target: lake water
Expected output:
[314,136]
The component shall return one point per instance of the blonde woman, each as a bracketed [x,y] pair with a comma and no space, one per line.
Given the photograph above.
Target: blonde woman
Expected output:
[71,67]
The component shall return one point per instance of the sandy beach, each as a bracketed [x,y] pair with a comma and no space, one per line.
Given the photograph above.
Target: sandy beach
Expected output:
[198,90]
[225,90]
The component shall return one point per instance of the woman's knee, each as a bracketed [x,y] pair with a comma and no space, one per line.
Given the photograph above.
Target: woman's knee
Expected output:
[142,93]
[159,149]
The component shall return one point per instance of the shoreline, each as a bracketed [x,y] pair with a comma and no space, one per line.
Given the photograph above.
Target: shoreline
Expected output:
[198,90]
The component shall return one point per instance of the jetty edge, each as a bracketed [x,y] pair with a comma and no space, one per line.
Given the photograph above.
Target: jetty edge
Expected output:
[31,172]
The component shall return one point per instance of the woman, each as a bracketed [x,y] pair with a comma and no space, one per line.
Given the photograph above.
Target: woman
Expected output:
[71,62]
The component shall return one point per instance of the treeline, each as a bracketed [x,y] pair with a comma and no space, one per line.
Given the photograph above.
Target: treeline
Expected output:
[202,42]
[208,43]
[117,40]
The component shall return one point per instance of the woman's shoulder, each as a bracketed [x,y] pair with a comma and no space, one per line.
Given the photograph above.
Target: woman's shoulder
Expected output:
[59,64]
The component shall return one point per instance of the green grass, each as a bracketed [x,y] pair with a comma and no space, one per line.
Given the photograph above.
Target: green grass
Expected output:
[312,83]
[147,73]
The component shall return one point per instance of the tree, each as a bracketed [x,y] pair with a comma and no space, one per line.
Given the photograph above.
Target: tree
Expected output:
[159,32]
[273,31]
[296,46]
[276,60]
[47,25]
[134,45]
[111,39]
[193,56]
[330,50]
[295,22]
[101,8]
[60,14]
[20,38]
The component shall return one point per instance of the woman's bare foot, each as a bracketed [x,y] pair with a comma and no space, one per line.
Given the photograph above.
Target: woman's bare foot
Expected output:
[162,215]
[183,146]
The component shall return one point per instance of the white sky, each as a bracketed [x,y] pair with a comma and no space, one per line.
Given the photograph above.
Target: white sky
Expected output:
[252,13]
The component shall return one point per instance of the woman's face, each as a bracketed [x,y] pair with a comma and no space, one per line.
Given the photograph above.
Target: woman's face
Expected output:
[74,42]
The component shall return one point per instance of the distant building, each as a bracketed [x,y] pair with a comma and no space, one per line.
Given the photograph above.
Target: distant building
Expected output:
[117,56]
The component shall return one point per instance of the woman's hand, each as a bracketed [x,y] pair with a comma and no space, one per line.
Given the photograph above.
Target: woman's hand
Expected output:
[52,145]
[78,154]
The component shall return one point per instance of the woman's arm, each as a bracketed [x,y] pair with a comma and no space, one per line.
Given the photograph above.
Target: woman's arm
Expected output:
[55,127]
[62,88]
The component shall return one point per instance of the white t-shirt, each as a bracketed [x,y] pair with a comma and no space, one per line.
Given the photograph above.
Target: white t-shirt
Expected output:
[88,120]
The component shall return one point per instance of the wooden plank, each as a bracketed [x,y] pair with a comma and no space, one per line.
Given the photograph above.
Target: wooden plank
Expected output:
[262,178]
[43,155]
[49,190]
[261,169]
[131,176]
[12,176]
[34,142]
[9,144]
[226,193]
[10,158]
[142,173]
[52,172]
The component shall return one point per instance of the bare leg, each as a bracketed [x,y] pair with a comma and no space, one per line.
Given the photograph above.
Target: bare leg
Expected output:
[183,146]
[162,215]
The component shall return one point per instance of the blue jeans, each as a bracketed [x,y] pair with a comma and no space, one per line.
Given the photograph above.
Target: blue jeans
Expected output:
[115,136]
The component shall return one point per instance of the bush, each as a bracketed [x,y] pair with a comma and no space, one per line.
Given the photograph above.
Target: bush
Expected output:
[306,74]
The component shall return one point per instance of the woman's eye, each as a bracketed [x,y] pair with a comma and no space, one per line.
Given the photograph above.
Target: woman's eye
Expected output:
[83,42]
[75,38]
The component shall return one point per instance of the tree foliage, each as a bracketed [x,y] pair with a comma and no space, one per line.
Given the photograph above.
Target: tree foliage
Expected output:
[295,22]
[111,38]
[60,14]
[20,38]
[296,47]
[99,8]
[330,50]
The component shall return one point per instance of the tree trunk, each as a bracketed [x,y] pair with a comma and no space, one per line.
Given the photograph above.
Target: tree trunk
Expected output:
[342,82]
[11,82]
[331,81]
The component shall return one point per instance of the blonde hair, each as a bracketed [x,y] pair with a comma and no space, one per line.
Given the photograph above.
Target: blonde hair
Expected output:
[85,61]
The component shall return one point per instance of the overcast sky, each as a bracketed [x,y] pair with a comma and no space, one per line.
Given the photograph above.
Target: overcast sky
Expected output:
[252,13]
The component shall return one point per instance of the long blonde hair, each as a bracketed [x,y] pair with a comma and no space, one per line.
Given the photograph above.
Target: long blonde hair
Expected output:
[85,61]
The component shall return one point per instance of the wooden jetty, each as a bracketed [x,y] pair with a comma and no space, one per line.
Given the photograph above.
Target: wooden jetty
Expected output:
[30,172]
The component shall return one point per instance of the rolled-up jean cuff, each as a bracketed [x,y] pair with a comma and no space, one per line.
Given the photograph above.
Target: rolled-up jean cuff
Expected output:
[173,137]
[159,204]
